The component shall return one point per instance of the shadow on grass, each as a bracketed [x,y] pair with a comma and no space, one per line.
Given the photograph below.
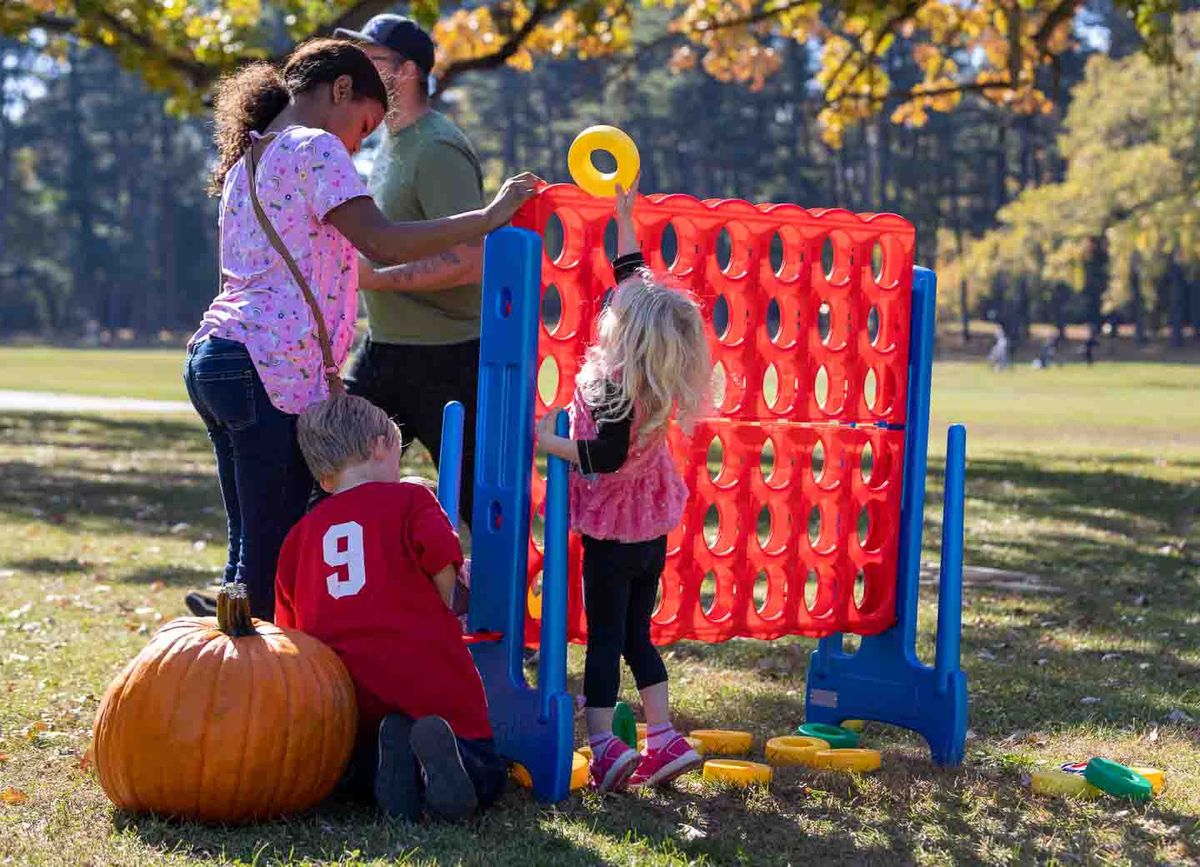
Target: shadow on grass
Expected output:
[915,811]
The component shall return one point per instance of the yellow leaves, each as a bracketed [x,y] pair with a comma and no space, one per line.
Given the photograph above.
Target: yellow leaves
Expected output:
[13,797]
[31,733]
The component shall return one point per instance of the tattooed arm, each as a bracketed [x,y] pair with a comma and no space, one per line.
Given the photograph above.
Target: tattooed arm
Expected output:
[456,266]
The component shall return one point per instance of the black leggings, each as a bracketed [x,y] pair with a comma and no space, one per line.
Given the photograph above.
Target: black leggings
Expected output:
[620,587]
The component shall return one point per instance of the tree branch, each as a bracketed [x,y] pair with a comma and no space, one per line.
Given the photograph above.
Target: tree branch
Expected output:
[501,55]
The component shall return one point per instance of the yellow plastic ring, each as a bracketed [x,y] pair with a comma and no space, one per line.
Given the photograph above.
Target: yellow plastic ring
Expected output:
[855,725]
[721,742]
[794,750]
[1061,784]
[579,772]
[1156,777]
[738,772]
[857,761]
[603,138]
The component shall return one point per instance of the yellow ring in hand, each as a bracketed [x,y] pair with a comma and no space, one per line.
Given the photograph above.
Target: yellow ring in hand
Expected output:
[603,138]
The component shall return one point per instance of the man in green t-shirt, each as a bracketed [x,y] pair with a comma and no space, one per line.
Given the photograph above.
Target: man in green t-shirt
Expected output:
[423,345]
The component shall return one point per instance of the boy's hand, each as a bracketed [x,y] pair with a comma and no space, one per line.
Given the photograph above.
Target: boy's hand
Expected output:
[545,425]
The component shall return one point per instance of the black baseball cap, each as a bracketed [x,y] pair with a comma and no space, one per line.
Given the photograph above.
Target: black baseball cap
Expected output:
[402,35]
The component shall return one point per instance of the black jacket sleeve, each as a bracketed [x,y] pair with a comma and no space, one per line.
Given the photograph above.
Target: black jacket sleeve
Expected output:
[608,451]
[627,265]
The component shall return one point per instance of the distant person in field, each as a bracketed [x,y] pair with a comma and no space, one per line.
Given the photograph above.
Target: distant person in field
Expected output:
[423,345]
[255,363]
[998,357]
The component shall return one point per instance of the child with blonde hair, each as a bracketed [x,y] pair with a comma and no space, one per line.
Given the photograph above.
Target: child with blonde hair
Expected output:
[371,572]
[649,364]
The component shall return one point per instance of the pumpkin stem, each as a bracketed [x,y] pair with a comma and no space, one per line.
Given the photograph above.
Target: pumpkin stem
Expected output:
[233,611]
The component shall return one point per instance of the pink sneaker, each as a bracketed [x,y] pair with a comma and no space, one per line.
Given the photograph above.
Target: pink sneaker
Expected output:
[659,767]
[613,767]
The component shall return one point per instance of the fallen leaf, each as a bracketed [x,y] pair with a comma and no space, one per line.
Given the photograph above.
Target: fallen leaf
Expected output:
[1090,699]
[13,797]
[85,761]
[34,730]
[157,585]
[690,832]
[3,758]
[1153,736]
[20,612]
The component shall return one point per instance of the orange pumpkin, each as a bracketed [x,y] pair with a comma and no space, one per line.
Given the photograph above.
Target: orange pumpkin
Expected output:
[225,720]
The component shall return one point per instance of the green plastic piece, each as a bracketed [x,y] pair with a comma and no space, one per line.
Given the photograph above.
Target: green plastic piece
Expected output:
[1118,780]
[624,724]
[837,737]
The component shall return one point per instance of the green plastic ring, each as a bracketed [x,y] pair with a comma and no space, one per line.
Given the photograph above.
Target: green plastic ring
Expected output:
[1117,779]
[625,724]
[837,737]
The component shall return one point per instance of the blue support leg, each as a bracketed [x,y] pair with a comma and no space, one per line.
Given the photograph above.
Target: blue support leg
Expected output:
[449,488]
[533,727]
[885,681]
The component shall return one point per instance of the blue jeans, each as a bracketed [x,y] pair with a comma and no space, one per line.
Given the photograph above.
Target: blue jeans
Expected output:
[265,483]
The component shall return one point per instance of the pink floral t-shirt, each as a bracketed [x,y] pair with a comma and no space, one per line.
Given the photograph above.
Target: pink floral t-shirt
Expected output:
[302,175]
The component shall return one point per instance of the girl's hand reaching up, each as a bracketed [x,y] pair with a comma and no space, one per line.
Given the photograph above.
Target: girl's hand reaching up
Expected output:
[623,205]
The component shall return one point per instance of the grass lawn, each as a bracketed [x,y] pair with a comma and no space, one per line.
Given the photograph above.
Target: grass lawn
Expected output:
[1089,479]
[150,374]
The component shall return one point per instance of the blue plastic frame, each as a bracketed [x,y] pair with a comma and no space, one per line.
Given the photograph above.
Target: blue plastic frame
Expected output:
[884,680]
[532,726]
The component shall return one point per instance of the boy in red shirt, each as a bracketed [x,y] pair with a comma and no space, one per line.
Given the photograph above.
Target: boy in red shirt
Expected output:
[370,571]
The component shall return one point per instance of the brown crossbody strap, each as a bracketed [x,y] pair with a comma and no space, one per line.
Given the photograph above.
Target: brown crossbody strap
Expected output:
[336,386]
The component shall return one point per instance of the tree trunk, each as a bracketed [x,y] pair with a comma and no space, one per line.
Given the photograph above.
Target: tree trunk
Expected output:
[1096,281]
[83,271]
[1137,304]
[1178,302]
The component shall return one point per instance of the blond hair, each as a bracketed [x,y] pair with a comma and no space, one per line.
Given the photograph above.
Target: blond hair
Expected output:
[341,431]
[651,347]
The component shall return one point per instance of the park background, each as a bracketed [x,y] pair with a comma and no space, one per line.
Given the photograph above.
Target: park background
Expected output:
[1048,153]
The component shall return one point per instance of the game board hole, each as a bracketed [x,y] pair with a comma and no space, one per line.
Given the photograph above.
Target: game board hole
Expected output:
[774,320]
[766,461]
[877,260]
[708,592]
[873,324]
[720,317]
[818,461]
[764,527]
[835,257]
[771,385]
[825,322]
[504,303]
[812,588]
[814,526]
[867,463]
[670,246]
[551,309]
[547,380]
[537,529]
[554,237]
[533,598]
[716,459]
[864,526]
[495,515]
[860,588]
[821,386]
[776,253]
[870,388]
[718,385]
[724,250]
[712,527]
[610,239]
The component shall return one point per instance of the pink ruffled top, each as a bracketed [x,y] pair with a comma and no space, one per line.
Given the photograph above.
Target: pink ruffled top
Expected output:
[642,500]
